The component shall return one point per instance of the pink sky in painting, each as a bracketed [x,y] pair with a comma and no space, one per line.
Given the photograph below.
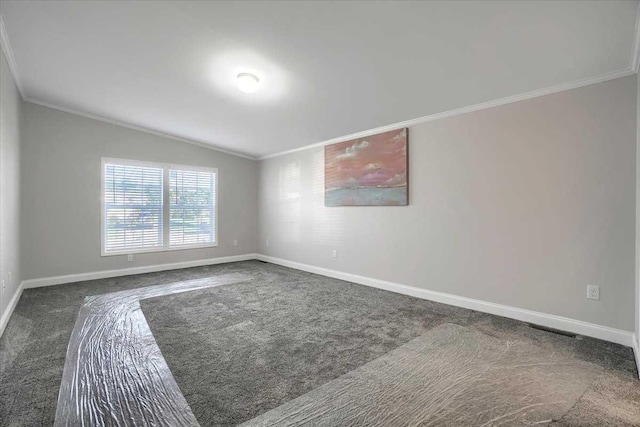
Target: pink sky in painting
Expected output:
[375,161]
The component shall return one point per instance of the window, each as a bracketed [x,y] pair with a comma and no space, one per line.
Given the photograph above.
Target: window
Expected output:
[151,207]
[192,210]
[132,207]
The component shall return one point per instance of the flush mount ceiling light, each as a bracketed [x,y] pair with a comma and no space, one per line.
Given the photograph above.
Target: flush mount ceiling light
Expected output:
[247,82]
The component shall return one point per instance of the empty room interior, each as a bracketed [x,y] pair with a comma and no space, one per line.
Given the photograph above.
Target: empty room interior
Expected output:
[319,213]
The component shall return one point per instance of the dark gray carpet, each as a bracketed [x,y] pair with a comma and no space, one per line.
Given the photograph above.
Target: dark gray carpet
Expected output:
[14,341]
[29,384]
[33,354]
[114,372]
[238,351]
[253,346]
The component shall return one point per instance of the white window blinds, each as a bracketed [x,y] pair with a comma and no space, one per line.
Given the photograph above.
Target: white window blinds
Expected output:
[151,207]
[192,207]
[132,208]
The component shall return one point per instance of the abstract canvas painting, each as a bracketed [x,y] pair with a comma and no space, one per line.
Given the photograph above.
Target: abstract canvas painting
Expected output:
[369,171]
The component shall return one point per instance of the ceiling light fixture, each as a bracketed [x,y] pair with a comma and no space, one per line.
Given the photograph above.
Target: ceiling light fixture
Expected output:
[247,82]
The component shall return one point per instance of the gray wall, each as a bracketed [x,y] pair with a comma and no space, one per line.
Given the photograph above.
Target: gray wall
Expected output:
[10,137]
[637,254]
[523,204]
[61,193]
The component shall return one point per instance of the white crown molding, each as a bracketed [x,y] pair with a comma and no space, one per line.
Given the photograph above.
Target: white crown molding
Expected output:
[484,105]
[633,69]
[104,274]
[606,333]
[8,53]
[12,306]
[6,47]
[635,52]
[138,128]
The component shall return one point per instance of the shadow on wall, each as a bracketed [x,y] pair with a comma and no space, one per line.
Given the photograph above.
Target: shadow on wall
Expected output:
[328,223]
[289,206]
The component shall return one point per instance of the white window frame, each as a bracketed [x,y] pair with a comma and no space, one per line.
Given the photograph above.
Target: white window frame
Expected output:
[166,206]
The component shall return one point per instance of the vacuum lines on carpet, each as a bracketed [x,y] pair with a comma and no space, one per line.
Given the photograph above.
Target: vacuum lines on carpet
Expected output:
[114,372]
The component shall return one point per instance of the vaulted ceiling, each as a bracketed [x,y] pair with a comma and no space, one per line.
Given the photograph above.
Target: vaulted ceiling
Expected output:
[327,69]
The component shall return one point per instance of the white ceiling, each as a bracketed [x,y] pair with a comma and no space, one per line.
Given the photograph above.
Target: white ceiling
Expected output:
[328,69]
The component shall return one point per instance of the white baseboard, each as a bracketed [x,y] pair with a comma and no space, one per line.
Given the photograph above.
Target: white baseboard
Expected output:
[636,352]
[70,278]
[548,320]
[618,336]
[12,305]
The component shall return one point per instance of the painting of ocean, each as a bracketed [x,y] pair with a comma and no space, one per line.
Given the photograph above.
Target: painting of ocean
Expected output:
[369,171]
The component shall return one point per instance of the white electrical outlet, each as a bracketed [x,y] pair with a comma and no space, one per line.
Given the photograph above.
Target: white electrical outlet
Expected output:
[593,292]
[129,258]
[267,242]
[235,243]
[9,277]
[335,253]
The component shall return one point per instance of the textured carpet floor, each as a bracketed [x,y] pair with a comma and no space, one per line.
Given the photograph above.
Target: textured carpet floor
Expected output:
[253,346]
[238,351]
[114,372]
[33,347]
[32,367]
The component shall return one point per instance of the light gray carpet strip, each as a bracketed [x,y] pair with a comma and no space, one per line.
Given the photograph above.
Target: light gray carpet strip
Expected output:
[114,373]
[449,376]
[16,339]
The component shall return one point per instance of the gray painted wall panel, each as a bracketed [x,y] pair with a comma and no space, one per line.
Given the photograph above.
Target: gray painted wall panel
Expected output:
[61,199]
[10,140]
[523,204]
[637,253]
